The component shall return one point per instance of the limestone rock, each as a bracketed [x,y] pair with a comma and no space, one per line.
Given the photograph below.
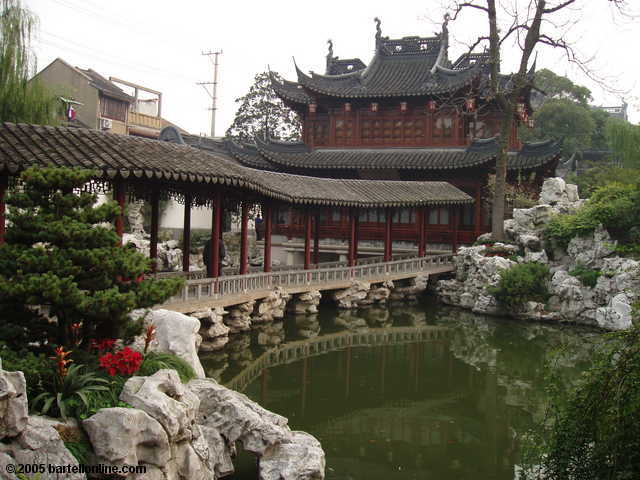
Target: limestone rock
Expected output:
[127,436]
[135,217]
[237,418]
[239,317]
[14,410]
[166,399]
[553,191]
[214,333]
[305,303]
[617,315]
[176,333]
[531,219]
[589,250]
[272,306]
[352,296]
[38,443]
[300,459]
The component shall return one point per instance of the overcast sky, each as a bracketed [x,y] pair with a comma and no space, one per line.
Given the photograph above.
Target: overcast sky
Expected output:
[159,44]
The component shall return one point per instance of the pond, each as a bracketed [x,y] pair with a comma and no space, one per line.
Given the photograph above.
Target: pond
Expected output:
[407,392]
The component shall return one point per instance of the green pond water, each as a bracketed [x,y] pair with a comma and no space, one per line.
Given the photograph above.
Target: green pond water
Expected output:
[451,404]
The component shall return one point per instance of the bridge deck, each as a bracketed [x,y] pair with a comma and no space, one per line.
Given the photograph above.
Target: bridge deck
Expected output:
[225,291]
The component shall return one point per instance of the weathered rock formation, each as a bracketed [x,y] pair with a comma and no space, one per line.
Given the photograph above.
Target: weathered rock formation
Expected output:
[305,303]
[239,317]
[351,297]
[271,307]
[607,305]
[214,333]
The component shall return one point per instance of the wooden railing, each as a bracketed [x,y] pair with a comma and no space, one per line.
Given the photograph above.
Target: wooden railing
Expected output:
[215,288]
[143,120]
[297,350]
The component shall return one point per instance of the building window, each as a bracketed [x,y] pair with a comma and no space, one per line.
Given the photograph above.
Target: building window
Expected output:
[113,109]
[439,216]
[443,127]
[344,131]
[467,218]
[404,215]
[336,215]
[282,216]
[321,132]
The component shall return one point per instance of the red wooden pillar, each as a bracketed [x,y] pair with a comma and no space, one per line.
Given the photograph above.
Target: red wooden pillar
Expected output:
[478,211]
[216,233]
[4,183]
[351,255]
[307,239]
[244,241]
[155,226]
[388,248]
[455,210]
[356,236]
[316,239]
[268,227]
[186,232]
[119,189]
[420,217]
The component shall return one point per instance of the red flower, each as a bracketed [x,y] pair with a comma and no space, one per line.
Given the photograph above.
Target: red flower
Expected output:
[61,361]
[124,362]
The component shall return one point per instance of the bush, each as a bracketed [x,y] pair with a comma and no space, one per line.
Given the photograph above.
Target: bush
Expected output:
[522,283]
[588,276]
[615,206]
[154,361]
[36,368]
[592,430]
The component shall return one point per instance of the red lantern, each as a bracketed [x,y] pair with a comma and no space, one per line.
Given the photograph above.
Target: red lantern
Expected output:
[470,104]
[520,108]
[347,107]
[312,107]
[431,106]
[374,106]
[403,107]
[531,123]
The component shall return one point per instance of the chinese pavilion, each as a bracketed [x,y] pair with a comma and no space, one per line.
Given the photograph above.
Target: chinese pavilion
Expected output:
[411,114]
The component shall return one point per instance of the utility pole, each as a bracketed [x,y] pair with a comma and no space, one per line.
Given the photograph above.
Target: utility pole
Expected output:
[214,95]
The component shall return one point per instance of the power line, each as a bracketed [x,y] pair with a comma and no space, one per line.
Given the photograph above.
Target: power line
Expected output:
[214,95]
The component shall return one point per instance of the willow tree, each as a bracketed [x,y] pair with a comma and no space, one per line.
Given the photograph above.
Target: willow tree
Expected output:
[624,141]
[528,24]
[20,99]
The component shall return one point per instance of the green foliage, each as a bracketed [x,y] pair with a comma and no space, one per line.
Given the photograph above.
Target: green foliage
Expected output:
[36,368]
[593,430]
[624,140]
[262,114]
[522,283]
[71,395]
[588,276]
[21,100]
[616,206]
[154,361]
[600,175]
[559,87]
[58,256]
[81,450]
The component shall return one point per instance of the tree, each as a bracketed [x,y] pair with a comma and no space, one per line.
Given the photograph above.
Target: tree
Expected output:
[21,100]
[262,114]
[528,27]
[61,272]
[624,141]
[593,430]
[559,87]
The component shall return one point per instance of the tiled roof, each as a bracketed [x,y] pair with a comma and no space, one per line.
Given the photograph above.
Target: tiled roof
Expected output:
[106,86]
[299,155]
[290,91]
[112,155]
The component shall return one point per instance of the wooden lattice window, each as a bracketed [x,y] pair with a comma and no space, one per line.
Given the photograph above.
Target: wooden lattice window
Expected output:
[404,215]
[113,108]
[439,216]
[344,130]
[443,126]
[320,132]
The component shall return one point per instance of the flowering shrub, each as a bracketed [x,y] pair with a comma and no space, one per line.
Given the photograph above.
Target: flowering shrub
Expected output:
[104,345]
[62,362]
[123,362]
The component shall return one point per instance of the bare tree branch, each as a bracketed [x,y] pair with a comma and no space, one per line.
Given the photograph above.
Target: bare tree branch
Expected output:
[559,7]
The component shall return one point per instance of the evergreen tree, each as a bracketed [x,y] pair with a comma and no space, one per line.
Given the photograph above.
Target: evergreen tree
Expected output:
[60,268]
[21,100]
[262,114]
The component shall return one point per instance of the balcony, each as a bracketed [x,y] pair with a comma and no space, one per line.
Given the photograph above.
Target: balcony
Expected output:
[142,120]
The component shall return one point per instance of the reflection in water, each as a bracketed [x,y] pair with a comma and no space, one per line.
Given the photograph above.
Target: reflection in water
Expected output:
[419,401]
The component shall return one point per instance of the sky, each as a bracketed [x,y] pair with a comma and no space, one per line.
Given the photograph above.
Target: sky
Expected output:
[159,44]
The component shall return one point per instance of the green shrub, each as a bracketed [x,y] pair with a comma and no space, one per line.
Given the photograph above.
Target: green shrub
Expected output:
[616,206]
[72,394]
[588,276]
[154,361]
[522,283]
[81,450]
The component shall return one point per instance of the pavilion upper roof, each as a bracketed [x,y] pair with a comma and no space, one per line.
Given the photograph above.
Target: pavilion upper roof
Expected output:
[283,156]
[182,168]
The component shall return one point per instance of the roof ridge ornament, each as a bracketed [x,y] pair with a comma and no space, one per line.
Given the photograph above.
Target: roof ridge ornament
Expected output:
[444,44]
[378,31]
[330,57]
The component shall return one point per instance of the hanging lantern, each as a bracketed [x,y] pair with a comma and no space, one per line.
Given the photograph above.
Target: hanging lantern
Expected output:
[431,106]
[403,107]
[374,106]
[520,108]
[71,113]
[470,104]
[312,107]
[347,107]
[531,123]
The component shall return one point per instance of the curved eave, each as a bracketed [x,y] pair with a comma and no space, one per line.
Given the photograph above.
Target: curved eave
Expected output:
[289,91]
[113,156]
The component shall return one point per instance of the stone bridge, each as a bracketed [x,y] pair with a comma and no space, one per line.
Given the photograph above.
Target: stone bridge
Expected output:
[203,293]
